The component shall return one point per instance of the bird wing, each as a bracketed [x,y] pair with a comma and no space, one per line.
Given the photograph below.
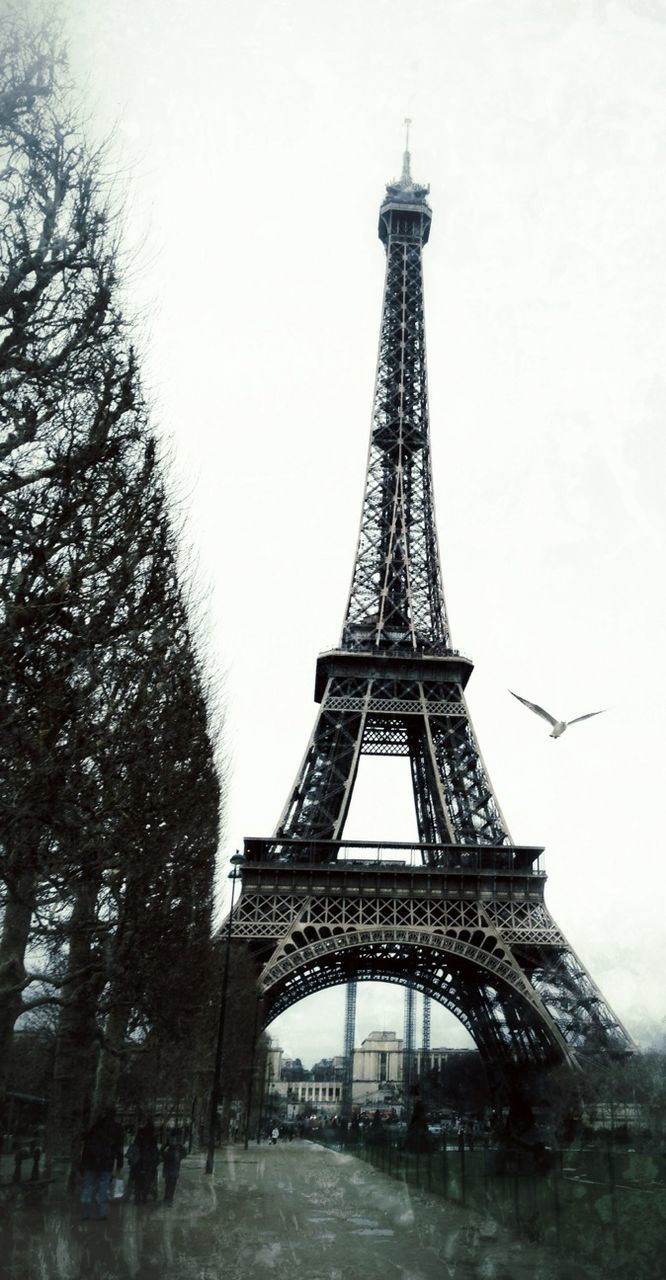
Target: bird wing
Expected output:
[545,715]
[588,716]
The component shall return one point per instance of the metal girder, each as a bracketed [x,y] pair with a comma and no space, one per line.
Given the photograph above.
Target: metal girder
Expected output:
[409,1041]
[348,1051]
[492,999]
[425,1036]
[453,797]
[396,601]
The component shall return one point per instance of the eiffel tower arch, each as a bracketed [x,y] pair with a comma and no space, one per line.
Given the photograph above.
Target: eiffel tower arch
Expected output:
[459,915]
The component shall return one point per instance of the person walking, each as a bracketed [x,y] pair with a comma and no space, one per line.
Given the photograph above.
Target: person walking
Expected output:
[132,1158]
[275,1134]
[171,1154]
[148,1158]
[102,1153]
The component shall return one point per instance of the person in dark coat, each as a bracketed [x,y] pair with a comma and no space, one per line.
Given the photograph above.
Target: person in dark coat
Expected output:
[102,1153]
[172,1153]
[148,1158]
[376,1134]
[418,1137]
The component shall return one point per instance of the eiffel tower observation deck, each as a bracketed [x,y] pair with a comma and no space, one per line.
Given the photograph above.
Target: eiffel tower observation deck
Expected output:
[460,915]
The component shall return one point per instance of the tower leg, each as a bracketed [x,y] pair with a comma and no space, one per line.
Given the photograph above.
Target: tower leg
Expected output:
[318,805]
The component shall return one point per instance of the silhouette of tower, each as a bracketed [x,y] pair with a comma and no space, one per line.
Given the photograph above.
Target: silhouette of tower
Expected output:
[459,916]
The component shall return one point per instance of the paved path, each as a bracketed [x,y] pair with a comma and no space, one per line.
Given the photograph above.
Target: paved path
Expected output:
[296,1211]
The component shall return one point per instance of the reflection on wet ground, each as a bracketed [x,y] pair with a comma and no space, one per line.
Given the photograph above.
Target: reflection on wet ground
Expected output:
[290,1211]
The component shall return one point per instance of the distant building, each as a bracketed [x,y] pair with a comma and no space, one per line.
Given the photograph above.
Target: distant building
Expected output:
[440,1059]
[379,1058]
[378,1071]
[276,1063]
[329,1069]
[377,1077]
[308,1097]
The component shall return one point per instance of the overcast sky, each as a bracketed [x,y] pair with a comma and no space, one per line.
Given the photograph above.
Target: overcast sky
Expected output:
[253,142]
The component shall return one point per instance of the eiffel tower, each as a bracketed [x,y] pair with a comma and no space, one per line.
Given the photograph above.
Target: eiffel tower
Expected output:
[460,915]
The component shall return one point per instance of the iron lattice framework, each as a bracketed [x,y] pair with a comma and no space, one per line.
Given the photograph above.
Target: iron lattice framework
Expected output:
[348,1051]
[425,1034]
[409,1037]
[461,916]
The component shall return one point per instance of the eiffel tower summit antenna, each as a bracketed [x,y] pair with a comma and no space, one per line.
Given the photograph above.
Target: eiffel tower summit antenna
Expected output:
[406,178]
[460,915]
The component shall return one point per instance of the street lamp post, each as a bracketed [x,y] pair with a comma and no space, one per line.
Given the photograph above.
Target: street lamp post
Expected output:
[215,1088]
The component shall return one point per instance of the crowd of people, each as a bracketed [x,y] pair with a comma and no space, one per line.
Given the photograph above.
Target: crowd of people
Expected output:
[105,1150]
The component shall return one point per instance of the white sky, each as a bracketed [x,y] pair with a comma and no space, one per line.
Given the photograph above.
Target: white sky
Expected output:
[254,141]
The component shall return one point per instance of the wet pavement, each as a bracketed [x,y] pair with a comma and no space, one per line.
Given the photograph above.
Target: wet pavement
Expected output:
[291,1211]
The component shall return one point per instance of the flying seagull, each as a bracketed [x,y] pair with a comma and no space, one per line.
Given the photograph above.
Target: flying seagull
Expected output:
[558,725]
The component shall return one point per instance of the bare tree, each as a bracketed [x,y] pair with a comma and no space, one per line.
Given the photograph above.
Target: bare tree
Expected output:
[68,395]
[108,794]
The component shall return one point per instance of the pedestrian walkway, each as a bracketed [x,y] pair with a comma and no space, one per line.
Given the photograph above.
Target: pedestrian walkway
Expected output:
[296,1211]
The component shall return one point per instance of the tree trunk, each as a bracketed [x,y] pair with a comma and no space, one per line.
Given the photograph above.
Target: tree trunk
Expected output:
[76,1042]
[13,943]
[111,1057]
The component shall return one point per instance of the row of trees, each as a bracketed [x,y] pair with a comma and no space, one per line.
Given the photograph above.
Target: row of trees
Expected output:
[109,795]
